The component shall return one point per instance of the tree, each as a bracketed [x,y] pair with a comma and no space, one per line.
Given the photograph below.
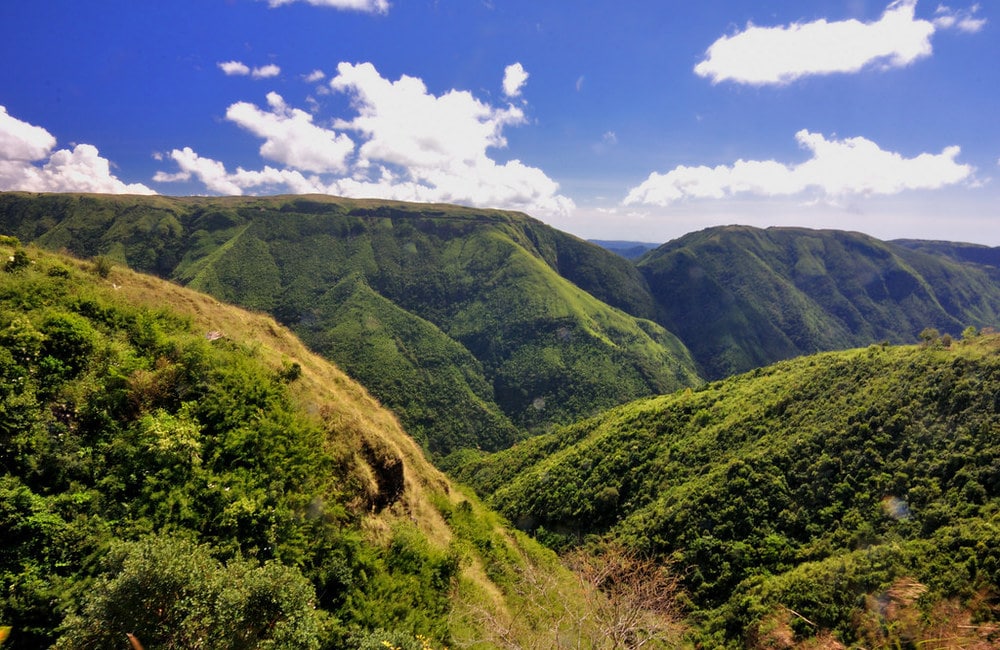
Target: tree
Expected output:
[170,593]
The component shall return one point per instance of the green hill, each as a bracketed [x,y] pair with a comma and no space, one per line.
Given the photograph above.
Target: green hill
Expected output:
[975,253]
[480,322]
[743,297]
[180,469]
[805,499]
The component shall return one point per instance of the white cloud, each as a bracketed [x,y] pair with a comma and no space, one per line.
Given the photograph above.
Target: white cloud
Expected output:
[291,138]
[266,71]
[853,166]
[214,176]
[962,20]
[405,125]
[84,170]
[240,69]
[22,141]
[234,68]
[28,163]
[210,172]
[413,145]
[780,55]
[514,78]
[314,76]
[367,6]
[441,142]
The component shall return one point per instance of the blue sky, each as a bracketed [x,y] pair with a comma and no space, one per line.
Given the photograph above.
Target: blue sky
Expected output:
[636,121]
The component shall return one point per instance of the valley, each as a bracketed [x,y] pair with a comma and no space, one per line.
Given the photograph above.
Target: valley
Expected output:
[790,432]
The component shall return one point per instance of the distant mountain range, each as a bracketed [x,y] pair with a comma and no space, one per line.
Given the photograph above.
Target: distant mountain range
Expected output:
[475,326]
[630,250]
[975,253]
[742,297]
[472,325]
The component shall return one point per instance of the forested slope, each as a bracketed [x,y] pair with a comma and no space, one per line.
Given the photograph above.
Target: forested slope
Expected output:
[851,495]
[478,323]
[742,297]
[975,253]
[177,468]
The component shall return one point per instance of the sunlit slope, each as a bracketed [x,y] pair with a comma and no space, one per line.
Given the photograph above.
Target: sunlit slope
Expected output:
[803,486]
[552,327]
[743,297]
[137,416]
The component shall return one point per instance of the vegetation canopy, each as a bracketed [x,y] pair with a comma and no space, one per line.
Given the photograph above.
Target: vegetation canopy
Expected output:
[473,326]
[800,496]
[176,468]
[188,473]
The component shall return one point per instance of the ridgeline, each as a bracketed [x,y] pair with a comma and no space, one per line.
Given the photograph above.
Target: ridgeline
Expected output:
[806,498]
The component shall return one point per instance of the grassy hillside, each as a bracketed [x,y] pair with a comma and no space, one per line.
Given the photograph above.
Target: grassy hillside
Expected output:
[851,496]
[743,297]
[180,469]
[481,322]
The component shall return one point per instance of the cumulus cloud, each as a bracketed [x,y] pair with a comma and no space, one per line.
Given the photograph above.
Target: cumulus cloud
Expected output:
[514,78]
[216,178]
[28,163]
[962,20]
[315,76]
[406,125]
[853,166]
[234,68]
[441,142]
[780,55]
[266,71]
[20,141]
[291,138]
[240,69]
[367,6]
[405,143]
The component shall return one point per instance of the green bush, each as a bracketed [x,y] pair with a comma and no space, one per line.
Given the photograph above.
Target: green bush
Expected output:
[103,265]
[18,261]
[116,422]
[171,593]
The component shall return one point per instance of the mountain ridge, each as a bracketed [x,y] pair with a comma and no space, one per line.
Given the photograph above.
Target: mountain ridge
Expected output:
[536,308]
[742,297]
[817,484]
[812,485]
[559,327]
[156,441]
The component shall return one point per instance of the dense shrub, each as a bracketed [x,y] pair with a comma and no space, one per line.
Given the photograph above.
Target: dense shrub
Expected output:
[158,483]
